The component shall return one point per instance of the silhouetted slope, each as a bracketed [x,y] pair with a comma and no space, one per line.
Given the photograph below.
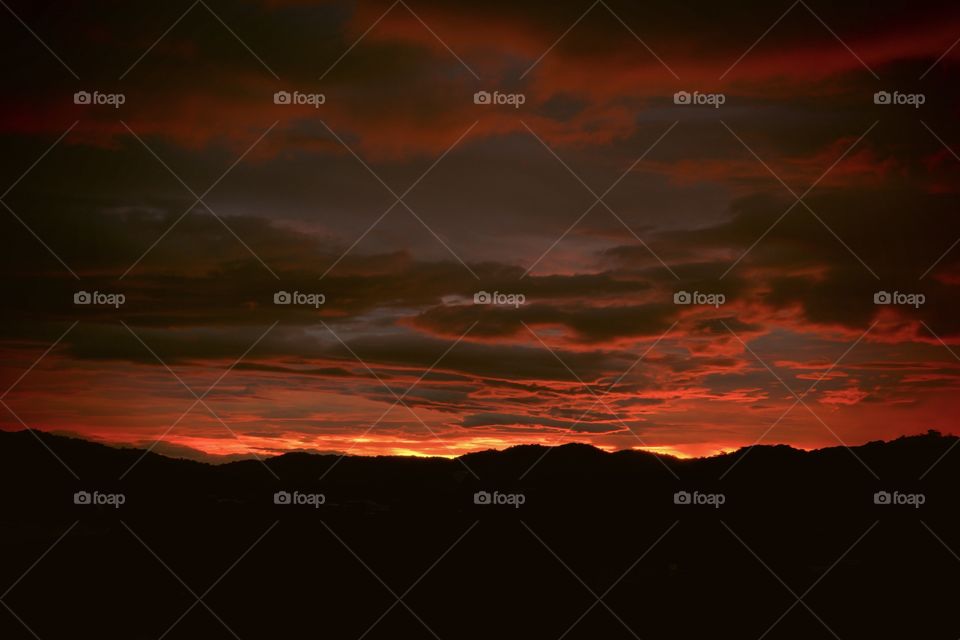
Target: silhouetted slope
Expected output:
[710,570]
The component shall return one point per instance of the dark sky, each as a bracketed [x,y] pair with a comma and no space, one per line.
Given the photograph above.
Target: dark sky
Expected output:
[786,208]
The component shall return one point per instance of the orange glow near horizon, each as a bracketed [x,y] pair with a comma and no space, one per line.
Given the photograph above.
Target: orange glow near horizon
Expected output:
[403,357]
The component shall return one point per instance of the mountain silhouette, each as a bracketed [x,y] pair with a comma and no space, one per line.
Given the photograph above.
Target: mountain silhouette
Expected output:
[528,542]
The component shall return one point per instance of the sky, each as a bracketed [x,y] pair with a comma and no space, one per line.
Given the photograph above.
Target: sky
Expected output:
[472,274]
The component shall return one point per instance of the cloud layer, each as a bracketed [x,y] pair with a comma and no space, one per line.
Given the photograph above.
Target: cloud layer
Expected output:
[594,211]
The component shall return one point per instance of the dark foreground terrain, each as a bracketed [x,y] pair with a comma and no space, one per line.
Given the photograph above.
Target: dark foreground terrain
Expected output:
[583,544]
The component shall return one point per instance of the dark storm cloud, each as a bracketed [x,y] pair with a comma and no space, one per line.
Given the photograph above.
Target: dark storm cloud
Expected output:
[511,420]
[590,324]
[899,234]
[499,200]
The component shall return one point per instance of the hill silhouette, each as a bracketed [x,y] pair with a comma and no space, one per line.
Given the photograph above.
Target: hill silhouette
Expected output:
[516,543]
